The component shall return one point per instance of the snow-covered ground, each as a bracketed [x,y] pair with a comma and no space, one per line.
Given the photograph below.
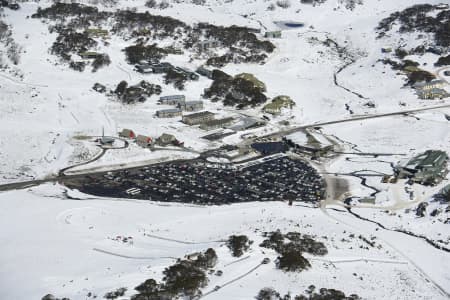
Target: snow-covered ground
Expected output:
[66,247]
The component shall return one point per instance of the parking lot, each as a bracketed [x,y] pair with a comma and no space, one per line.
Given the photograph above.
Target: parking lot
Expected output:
[199,182]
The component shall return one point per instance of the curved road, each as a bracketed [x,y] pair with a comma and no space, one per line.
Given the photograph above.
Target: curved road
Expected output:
[62,172]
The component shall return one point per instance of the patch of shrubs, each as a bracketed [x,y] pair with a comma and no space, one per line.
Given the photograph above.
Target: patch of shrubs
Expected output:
[136,93]
[234,91]
[100,61]
[418,76]
[241,43]
[137,53]
[418,18]
[443,61]
[159,26]
[290,247]
[51,297]
[60,10]
[115,294]
[70,41]
[411,69]
[238,244]
[234,36]
[178,79]
[310,294]
[184,279]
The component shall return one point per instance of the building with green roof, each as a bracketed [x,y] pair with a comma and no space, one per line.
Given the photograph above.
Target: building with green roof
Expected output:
[429,167]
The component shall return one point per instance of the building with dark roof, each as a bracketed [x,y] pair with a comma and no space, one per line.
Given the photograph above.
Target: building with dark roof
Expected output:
[191,106]
[216,123]
[168,113]
[197,118]
[270,148]
[172,99]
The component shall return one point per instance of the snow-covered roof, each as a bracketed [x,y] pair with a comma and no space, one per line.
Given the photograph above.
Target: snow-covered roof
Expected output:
[307,138]
[299,138]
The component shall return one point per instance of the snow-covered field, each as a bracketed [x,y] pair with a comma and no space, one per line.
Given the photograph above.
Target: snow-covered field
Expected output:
[53,244]
[66,247]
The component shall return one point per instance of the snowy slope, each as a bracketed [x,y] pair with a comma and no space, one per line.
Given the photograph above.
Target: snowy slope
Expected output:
[66,247]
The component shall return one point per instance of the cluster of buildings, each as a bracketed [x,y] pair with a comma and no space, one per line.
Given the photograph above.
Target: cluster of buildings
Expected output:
[429,167]
[147,142]
[205,119]
[180,105]
[431,90]
[164,67]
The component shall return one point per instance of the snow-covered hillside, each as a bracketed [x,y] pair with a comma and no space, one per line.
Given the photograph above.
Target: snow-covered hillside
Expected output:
[59,241]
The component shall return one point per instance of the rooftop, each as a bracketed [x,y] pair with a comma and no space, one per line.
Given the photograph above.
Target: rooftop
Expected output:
[427,159]
[311,139]
[170,110]
[218,121]
[200,114]
[194,102]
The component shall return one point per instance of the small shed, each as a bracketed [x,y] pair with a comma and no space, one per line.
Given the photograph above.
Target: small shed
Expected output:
[143,141]
[166,139]
[127,133]
[273,34]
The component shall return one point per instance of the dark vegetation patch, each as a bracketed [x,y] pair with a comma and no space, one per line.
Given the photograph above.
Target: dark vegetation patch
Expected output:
[243,45]
[310,294]
[234,91]
[443,61]
[140,52]
[115,294]
[417,18]
[70,45]
[178,79]
[71,20]
[290,247]
[136,93]
[60,11]
[418,76]
[423,19]
[238,244]
[183,279]
[410,69]
[157,27]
